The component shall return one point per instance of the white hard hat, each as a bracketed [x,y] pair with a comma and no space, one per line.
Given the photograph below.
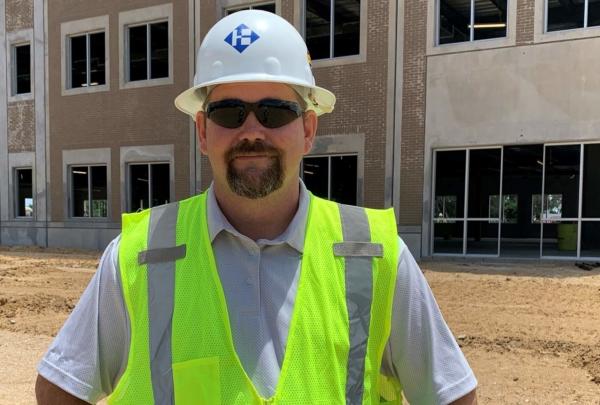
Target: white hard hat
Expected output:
[254,46]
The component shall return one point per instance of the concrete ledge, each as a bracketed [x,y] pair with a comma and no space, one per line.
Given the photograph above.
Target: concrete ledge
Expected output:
[26,235]
[81,238]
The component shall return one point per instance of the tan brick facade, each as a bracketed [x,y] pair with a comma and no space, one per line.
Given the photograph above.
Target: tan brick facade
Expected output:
[19,14]
[413,113]
[117,117]
[21,127]
[525,21]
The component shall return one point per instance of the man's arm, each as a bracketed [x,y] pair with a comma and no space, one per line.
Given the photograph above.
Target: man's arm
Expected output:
[47,393]
[469,399]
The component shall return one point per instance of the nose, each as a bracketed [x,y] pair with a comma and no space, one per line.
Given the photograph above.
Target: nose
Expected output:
[251,129]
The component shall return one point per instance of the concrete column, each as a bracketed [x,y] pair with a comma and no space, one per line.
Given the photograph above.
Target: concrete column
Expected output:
[3,118]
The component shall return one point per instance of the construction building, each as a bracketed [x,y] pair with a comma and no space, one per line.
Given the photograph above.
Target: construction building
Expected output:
[474,119]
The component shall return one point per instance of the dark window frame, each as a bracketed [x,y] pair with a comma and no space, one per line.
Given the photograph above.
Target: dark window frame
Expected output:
[127,56]
[89,191]
[329,171]
[472,24]
[88,60]
[17,194]
[585,18]
[15,69]
[253,6]
[150,195]
[331,55]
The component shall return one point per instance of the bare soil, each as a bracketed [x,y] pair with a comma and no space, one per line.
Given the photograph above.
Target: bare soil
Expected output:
[531,331]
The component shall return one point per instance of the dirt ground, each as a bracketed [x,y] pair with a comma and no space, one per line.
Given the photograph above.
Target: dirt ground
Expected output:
[531,331]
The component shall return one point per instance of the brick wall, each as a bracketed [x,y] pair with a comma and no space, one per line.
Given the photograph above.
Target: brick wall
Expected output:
[525,21]
[19,14]
[117,117]
[21,127]
[413,113]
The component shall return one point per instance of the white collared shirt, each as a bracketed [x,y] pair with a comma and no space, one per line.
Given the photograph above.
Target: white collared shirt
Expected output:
[259,279]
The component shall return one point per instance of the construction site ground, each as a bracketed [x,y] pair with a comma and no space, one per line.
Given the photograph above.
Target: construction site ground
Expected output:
[531,331]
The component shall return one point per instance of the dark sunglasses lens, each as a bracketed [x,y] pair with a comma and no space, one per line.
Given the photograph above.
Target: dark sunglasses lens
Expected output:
[275,116]
[228,116]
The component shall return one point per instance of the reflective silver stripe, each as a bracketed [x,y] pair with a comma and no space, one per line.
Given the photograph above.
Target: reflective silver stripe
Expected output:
[161,290]
[359,290]
[161,255]
[358,249]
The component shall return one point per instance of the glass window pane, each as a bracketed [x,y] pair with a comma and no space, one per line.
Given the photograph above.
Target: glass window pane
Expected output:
[449,184]
[590,239]
[565,15]
[160,184]
[24,193]
[315,173]
[455,19]
[562,181]
[448,237]
[343,179]
[99,192]
[97,59]
[482,237]
[484,180]
[445,206]
[318,25]
[265,7]
[346,38]
[591,181]
[560,239]
[23,69]
[510,209]
[138,68]
[490,19]
[593,13]
[79,181]
[138,185]
[79,61]
[159,50]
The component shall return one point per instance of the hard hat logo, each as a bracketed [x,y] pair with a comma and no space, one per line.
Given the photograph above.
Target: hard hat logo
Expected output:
[241,38]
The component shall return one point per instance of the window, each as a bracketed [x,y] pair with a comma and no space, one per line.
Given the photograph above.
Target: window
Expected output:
[332,177]
[552,208]
[332,28]
[471,20]
[148,51]
[270,7]
[24,192]
[21,69]
[445,207]
[89,194]
[566,15]
[510,208]
[148,185]
[87,60]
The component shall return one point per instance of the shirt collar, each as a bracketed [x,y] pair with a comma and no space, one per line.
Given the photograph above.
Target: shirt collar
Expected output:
[293,235]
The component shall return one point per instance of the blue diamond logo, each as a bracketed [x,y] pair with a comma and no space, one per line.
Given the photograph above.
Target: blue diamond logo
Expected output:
[241,38]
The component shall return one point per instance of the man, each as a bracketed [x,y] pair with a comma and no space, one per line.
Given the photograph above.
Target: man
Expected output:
[256,291]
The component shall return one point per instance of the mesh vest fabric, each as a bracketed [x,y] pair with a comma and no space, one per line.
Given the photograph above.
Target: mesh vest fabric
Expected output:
[205,366]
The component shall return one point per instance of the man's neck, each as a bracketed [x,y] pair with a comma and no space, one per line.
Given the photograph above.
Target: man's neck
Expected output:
[261,218]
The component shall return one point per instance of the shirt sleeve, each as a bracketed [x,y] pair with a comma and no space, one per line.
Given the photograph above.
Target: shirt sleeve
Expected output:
[421,351]
[89,354]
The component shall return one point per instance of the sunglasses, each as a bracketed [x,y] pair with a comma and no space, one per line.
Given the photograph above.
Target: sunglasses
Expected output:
[271,113]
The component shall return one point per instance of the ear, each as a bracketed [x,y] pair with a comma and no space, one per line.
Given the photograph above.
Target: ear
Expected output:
[201,131]
[310,129]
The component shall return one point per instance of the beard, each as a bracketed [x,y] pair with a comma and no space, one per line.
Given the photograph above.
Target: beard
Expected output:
[254,182]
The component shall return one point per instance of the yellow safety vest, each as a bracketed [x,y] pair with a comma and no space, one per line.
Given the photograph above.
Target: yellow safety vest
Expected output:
[181,348]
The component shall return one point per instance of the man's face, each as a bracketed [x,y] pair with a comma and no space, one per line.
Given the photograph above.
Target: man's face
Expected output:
[254,161]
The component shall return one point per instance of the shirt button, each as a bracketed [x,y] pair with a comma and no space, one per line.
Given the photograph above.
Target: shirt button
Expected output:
[249,281]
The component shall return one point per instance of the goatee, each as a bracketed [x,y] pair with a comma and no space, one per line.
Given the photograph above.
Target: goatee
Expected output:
[254,182]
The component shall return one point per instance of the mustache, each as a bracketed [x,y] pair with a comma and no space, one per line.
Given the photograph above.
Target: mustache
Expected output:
[246,146]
